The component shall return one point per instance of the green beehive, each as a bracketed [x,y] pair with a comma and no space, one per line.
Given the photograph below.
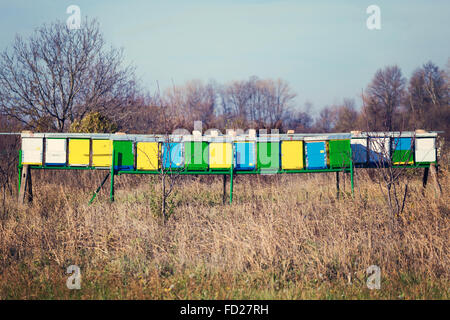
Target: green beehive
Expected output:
[340,153]
[402,157]
[196,156]
[123,155]
[268,159]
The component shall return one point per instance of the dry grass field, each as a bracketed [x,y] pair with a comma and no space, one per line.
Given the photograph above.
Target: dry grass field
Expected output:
[284,237]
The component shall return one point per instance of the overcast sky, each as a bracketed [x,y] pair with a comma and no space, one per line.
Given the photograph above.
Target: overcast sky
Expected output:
[322,48]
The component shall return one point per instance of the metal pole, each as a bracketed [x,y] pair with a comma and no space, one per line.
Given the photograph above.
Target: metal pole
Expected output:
[111,192]
[231,173]
[337,184]
[224,188]
[351,177]
[231,184]
[98,189]
[20,177]
[425,177]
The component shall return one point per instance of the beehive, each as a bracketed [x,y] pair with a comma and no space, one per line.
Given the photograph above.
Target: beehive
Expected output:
[359,150]
[147,156]
[220,155]
[196,155]
[402,150]
[425,150]
[379,150]
[292,155]
[268,156]
[55,151]
[316,155]
[79,150]
[32,150]
[102,153]
[245,155]
[172,156]
[123,155]
[340,153]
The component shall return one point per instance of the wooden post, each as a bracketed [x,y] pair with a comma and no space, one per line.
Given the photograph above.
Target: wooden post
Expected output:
[434,175]
[26,187]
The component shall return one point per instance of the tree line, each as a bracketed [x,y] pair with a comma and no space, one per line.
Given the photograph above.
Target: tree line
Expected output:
[61,80]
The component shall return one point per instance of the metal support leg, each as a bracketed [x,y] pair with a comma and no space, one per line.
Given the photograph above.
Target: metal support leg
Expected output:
[425,177]
[111,192]
[224,197]
[352,178]
[20,179]
[337,185]
[98,189]
[231,185]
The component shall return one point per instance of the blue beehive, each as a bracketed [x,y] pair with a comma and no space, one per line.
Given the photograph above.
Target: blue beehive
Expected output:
[359,150]
[245,155]
[401,149]
[316,155]
[401,143]
[172,155]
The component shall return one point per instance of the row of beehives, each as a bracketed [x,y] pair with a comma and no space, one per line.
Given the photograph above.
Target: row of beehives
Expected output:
[396,149]
[243,155]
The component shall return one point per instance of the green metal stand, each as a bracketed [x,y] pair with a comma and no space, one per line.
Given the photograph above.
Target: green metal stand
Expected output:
[352,178]
[111,192]
[337,185]
[98,189]
[231,183]
[231,173]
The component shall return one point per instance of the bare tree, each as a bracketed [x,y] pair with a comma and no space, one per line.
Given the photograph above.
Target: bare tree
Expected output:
[191,102]
[169,177]
[263,103]
[383,97]
[427,102]
[62,74]
[346,116]
[390,172]
[326,120]
[298,120]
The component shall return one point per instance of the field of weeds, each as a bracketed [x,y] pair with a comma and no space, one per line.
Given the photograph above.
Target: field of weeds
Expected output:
[284,237]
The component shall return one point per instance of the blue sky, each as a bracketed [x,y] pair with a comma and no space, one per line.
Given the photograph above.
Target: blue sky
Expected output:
[322,48]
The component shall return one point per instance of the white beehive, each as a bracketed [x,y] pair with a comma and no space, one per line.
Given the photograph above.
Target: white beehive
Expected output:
[55,152]
[32,150]
[379,149]
[425,150]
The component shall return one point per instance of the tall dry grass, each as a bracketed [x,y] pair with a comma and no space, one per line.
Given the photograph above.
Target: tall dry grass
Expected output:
[284,237]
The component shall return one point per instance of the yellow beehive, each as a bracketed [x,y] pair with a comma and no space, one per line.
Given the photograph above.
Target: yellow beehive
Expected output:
[147,155]
[292,155]
[220,155]
[79,152]
[102,153]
